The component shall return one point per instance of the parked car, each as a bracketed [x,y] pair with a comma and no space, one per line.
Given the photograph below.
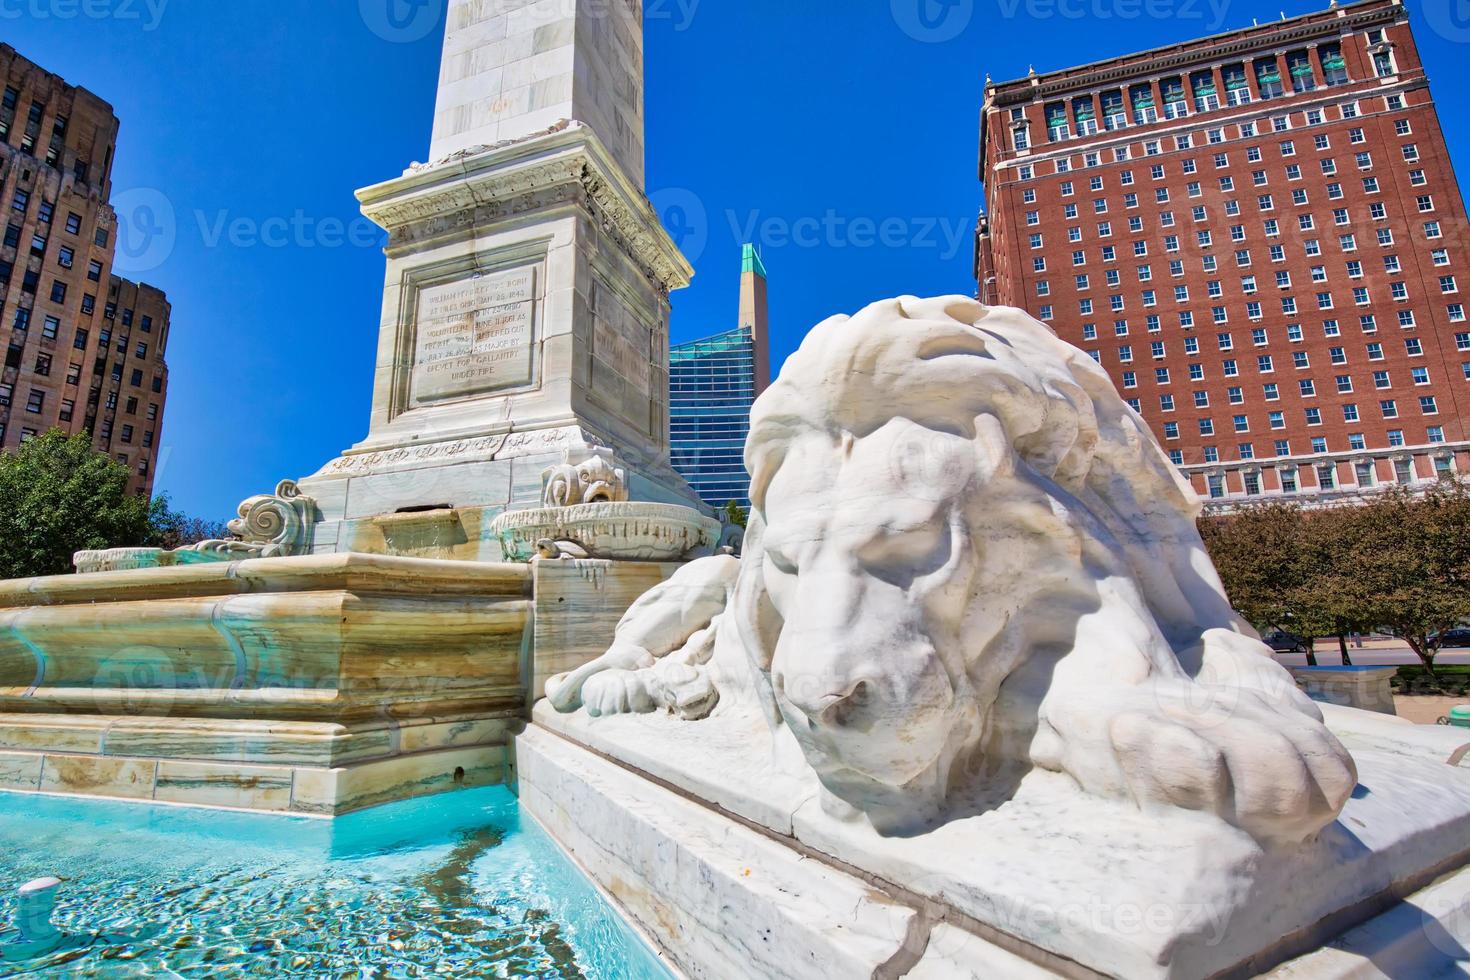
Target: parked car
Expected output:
[1459,637]
[1283,642]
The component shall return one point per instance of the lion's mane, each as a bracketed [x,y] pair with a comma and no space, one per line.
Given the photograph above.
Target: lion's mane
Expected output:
[946,362]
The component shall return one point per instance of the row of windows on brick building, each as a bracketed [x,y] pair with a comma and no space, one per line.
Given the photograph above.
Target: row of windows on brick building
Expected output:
[40,240]
[1251,129]
[1365,473]
[1293,172]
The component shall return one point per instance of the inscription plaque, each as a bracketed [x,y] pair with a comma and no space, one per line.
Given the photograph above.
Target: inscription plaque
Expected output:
[621,340]
[474,336]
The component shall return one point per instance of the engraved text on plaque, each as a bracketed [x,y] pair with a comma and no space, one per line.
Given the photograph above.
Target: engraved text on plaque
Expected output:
[474,336]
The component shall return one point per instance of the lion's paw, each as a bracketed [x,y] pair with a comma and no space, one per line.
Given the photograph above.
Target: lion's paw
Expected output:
[681,689]
[617,692]
[1281,776]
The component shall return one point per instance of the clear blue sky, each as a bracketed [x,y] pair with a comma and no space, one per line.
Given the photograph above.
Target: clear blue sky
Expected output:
[840,134]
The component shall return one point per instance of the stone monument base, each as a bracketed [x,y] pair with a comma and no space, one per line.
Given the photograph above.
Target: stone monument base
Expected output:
[735,868]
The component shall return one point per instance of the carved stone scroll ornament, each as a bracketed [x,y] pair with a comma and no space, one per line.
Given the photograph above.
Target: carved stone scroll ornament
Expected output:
[272,525]
[269,526]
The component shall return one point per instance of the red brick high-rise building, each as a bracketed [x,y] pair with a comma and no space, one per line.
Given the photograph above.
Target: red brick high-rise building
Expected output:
[85,348]
[1260,236]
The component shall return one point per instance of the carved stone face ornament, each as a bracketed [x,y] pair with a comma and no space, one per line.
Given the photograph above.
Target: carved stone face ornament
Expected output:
[595,481]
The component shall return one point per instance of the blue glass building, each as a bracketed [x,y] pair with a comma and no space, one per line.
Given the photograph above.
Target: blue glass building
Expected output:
[713,382]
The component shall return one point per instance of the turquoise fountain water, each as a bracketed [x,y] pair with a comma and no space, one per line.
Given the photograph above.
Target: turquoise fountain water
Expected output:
[456,885]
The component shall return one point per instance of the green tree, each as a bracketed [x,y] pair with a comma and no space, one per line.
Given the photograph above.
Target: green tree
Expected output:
[1255,549]
[1264,556]
[1406,563]
[170,529]
[733,513]
[1326,598]
[59,496]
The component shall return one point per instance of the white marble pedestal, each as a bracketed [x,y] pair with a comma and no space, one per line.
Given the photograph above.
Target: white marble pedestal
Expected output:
[1367,688]
[753,880]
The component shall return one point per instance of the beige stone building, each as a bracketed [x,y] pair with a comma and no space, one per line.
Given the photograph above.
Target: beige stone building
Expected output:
[85,348]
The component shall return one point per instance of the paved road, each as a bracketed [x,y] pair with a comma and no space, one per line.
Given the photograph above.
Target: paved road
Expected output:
[1374,653]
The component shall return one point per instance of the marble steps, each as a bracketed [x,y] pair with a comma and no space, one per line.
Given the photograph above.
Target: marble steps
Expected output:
[250,742]
[302,791]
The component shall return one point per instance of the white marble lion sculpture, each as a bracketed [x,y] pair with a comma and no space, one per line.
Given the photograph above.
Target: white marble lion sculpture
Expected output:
[968,558]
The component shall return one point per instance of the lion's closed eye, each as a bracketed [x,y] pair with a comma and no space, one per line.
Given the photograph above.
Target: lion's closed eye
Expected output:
[900,557]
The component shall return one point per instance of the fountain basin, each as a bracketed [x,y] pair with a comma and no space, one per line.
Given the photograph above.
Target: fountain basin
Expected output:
[316,684]
[621,530]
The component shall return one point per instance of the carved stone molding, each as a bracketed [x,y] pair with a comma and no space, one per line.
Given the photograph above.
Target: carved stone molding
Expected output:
[474,151]
[480,192]
[622,531]
[502,445]
[489,184]
[269,526]
[362,463]
[634,233]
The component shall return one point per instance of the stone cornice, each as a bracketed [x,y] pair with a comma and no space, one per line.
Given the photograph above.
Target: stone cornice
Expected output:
[1224,116]
[565,164]
[1132,68]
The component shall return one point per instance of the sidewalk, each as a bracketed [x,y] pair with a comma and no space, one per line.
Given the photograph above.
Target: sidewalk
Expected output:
[1423,710]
